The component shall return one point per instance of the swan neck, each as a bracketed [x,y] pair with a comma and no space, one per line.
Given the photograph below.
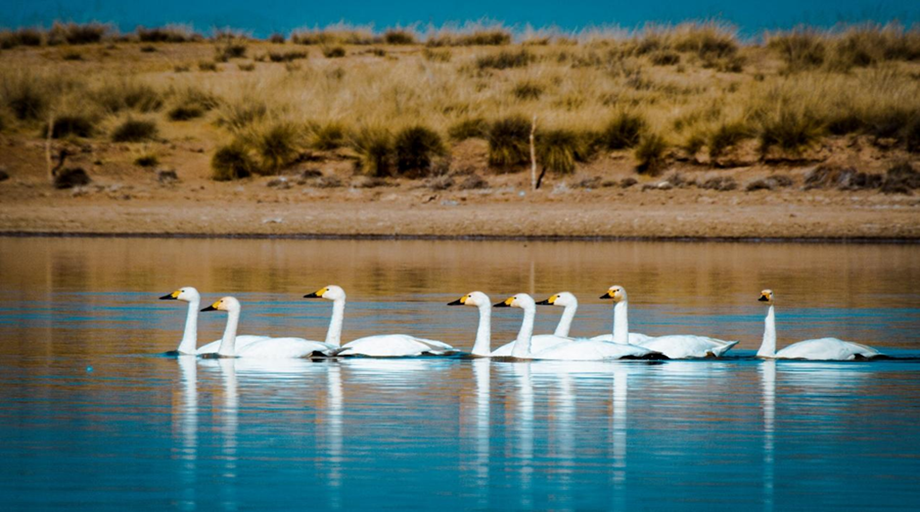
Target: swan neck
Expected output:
[621,322]
[483,344]
[521,348]
[565,322]
[190,335]
[228,342]
[768,347]
[334,334]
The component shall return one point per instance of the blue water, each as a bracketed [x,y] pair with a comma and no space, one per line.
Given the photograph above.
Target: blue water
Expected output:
[92,417]
[284,15]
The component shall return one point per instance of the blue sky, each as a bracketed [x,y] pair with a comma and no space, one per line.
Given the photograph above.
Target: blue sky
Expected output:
[265,16]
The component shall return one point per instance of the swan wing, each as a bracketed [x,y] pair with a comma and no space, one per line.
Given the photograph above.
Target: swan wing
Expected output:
[826,349]
[538,343]
[684,346]
[393,345]
[283,348]
[635,338]
[588,350]
[241,341]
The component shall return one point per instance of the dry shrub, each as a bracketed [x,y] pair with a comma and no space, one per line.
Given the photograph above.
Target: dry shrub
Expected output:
[333,52]
[334,34]
[624,130]
[398,36]
[528,90]
[505,59]
[276,38]
[374,146]
[135,130]
[469,128]
[471,34]
[289,56]
[436,55]
[173,33]
[650,153]
[127,94]
[277,145]
[509,142]
[415,147]
[207,65]
[800,48]
[231,162]
[74,33]
[556,150]
[329,136]
[71,125]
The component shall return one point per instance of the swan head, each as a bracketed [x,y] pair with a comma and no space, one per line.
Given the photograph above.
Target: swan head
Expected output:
[477,299]
[521,300]
[224,304]
[185,294]
[766,296]
[560,299]
[331,292]
[615,292]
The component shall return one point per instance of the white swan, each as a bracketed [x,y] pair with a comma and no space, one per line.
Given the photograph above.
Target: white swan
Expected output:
[573,350]
[822,349]
[570,303]
[620,312]
[381,345]
[190,335]
[675,346]
[266,348]
[483,345]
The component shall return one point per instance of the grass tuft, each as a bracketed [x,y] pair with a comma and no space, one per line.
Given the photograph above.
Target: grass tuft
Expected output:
[232,162]
[374,146]
[509,142]
[135,130]
[414,149]
[556,150]
[650,153]
[505,59]
[624,130]
[469,128]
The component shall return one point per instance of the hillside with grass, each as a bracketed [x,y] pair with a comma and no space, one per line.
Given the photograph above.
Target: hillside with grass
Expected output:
[468,107]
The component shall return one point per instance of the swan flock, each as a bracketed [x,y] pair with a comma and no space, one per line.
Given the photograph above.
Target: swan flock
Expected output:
[619,344]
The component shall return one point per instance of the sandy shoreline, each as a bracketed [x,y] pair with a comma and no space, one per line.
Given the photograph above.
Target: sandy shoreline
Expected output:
[450,219]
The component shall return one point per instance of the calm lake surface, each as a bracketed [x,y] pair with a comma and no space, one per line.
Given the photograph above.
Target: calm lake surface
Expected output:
[93,416]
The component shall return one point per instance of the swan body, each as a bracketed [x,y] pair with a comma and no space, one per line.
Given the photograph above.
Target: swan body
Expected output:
[190,334]
[821,349]
[568,349]
[268,348]
[538,343]
[634,338]
[394,345]
[384,345]
[677,346]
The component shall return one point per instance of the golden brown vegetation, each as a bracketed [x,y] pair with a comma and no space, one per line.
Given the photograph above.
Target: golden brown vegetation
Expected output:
[662,93]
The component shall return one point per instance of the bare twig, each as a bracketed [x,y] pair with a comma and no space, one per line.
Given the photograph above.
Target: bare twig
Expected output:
[48,146]
[534,184]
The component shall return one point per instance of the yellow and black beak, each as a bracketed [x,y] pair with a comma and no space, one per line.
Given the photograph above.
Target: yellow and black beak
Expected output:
[607,295]
[505,303]
[547,302]
[318,294]
[172,296]
[459,302]
[212,307]
[764,298]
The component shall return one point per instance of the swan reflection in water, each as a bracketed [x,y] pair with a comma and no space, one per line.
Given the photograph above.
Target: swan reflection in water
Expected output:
[333,434]
[768,403]
[188,427]
[482,374]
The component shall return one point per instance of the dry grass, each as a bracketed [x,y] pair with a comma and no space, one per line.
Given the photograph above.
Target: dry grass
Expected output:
[648,91]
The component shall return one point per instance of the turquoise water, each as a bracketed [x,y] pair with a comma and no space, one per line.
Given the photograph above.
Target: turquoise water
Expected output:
[93,417]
